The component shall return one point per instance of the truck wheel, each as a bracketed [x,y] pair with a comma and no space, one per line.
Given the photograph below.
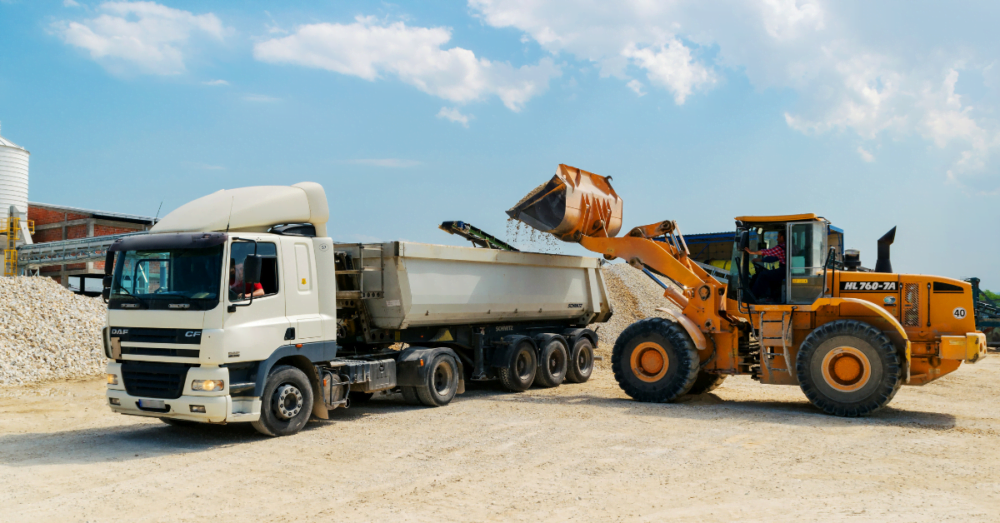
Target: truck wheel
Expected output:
[581,361]
[519,372]
[654,360]
[440,383]
[552,364]
[848,368]
[706,382]
[410,395]
[287,402]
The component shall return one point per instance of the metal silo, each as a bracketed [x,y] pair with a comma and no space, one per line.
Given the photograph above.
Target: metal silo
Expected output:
[13,177]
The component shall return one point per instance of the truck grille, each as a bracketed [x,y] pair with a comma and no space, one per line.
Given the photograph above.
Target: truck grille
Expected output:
[154,380]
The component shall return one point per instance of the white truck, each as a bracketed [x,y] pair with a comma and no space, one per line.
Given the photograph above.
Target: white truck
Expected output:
[238,307]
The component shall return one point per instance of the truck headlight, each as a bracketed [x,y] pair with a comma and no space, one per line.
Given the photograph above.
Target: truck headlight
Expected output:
[208,385]
[112,379]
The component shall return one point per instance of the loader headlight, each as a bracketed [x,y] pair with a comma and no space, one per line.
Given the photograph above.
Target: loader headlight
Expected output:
[112,379]
[208,385]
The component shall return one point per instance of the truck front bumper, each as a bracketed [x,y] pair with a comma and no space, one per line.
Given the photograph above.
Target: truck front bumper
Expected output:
[217,408]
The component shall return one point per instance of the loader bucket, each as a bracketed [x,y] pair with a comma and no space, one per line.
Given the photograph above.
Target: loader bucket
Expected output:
[573,204]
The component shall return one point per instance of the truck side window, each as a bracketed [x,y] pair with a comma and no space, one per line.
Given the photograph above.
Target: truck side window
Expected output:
[268,270]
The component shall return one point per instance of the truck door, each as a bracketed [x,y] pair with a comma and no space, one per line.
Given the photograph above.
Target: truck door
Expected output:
[302,298]
[807,246]
[259,325]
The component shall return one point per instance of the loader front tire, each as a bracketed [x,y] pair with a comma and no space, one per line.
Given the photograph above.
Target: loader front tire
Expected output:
[654,360]
[848,368]
[706,382]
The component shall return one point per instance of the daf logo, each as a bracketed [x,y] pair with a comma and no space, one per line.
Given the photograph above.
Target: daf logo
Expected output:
[192,334]
[119,332]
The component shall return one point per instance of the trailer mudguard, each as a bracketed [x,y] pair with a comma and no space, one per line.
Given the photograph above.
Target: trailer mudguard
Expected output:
[572,335]
[411,366]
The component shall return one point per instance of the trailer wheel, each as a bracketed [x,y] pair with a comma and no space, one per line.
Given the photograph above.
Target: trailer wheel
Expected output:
[441,382]
[552,364]
[287,402]
[654,360]
[410,395]
[581,361]
[706,382]
[521,367]
[848,368]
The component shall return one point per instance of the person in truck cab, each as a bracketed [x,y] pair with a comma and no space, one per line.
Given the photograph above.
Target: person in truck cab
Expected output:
[238,290]
[768,280]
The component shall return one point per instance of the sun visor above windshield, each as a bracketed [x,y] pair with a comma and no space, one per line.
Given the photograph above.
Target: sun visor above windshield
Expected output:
[168,241]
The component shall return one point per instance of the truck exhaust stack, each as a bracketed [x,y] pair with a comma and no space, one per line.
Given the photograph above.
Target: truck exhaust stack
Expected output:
[573,204]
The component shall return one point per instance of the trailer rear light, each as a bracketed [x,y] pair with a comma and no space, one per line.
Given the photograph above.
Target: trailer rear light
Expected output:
[208,385]
[112,379]
[198,408]
[115,401]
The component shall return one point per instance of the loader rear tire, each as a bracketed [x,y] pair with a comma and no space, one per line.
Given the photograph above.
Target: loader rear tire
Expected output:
[519,372]
[552,364]
[706,382]
[654,360]
[848,368]
[581,361]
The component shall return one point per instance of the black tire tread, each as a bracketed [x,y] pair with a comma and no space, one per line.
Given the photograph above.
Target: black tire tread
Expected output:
[573,374]
[542,376]
[706,382]
[424,394]
[891,382]
[682,343]
[410,395]
[260,424]
[509,379]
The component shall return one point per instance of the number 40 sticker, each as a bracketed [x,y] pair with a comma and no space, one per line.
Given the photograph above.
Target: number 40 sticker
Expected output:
[958,313]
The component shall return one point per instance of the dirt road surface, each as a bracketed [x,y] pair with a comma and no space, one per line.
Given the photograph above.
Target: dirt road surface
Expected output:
[580,452]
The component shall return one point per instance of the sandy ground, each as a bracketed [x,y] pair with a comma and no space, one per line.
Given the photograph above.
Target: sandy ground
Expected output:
[580,452]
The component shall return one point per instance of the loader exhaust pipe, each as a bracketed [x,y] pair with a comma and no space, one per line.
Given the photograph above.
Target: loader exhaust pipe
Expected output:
[573,204]
[883,264]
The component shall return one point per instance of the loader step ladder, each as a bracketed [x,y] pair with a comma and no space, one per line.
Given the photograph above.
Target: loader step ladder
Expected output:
[775,332]
[352,257]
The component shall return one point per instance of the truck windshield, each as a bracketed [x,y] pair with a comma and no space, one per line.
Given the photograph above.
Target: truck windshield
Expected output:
[185,279]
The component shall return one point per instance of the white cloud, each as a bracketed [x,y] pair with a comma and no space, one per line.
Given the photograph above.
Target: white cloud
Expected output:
[394,163]
[261,98]
[216,82]
[636,87]
[865,155]
[369,49]
[454,115]
[861,70]
[143,37]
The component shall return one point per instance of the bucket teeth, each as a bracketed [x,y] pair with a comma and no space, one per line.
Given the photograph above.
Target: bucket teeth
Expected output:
[573,204]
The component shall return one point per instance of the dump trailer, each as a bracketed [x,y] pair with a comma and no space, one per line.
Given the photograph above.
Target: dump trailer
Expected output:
[848,338]
[239,307]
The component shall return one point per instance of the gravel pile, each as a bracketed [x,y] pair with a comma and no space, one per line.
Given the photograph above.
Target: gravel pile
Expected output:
[48,333]
[633,297]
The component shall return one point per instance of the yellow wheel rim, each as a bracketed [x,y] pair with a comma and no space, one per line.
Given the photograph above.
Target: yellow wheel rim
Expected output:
[846,369]
[650,362]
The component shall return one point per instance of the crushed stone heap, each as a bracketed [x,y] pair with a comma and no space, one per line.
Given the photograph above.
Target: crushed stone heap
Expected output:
[48,333]
[633,297]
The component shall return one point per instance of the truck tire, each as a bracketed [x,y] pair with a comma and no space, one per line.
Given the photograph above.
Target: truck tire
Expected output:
[287,402]
[654,360]
[706,382]
[581,361]
[410,395]
[519,372]
[440,383]
[552,364]
[848,368]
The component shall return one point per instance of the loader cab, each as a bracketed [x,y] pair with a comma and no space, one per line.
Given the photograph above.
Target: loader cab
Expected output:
[806,248]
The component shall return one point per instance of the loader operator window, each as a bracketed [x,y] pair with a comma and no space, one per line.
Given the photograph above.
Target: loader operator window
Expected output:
[808,244]
[268,286]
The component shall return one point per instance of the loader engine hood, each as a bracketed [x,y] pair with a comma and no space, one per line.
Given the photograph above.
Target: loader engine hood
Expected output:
[573,204]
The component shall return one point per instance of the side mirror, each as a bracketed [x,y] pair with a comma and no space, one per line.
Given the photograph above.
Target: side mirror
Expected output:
[251,269]
[107,282]
[743,240]
[106,293]
[109,264]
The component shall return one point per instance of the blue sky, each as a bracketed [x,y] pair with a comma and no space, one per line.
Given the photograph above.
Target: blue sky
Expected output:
[414,113]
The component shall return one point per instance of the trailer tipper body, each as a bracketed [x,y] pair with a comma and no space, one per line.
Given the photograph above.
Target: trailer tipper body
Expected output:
[239,307]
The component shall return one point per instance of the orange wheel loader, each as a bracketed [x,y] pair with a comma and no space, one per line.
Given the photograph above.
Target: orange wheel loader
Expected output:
[848,337]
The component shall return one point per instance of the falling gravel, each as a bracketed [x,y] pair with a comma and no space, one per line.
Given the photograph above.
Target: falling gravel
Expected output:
[48,333]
